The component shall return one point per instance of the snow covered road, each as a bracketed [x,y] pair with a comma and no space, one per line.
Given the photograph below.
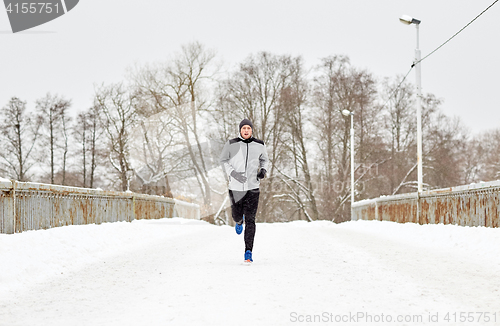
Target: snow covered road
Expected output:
[185,272]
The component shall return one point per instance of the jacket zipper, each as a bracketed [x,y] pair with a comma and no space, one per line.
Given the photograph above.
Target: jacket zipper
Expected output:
[246,165]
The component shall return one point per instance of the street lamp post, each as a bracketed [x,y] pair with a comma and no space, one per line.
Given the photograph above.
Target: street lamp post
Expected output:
[405,19]
[350,113]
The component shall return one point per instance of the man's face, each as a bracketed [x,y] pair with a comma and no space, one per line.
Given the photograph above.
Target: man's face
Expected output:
[246,132]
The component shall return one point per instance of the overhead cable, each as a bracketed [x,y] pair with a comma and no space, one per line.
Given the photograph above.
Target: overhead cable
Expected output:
[416,62]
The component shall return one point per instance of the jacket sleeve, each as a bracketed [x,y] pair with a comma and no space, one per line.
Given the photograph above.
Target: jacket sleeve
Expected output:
[264,159]
[224,159]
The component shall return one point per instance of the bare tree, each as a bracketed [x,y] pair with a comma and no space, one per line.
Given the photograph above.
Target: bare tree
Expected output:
[330,124]
[88,132]
[339,86]
[176,89]
[96,130]
[81,134]
[118,115]
[65,129]
[294,102]
[152,150]
[53,112]
[254,92]
[400,123]
[20,135]
[473,160]
[445,140]
[487,147]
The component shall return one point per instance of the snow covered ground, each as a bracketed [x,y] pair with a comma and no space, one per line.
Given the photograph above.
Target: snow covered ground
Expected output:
[186,272]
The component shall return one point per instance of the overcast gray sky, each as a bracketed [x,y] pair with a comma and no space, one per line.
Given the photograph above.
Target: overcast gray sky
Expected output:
[99,39]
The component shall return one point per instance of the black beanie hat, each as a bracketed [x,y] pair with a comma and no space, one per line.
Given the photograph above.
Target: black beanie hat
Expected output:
[246,122]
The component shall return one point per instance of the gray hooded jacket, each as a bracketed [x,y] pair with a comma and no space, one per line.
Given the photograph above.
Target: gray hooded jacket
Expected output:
[244,155]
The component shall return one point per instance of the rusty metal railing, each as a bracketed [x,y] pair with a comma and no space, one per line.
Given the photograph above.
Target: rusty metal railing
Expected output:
[472,205]
[33,206]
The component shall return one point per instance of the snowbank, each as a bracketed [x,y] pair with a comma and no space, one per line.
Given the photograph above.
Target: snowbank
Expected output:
[33,256]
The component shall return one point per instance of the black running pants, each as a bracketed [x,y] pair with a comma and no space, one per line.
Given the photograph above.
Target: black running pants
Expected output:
[245,203]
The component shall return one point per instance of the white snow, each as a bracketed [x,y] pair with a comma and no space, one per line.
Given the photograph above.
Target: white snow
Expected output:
[186,272]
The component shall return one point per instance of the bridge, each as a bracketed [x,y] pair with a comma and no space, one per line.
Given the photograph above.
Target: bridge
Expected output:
[177,271]
[471,205]
[28,206]
[151,270]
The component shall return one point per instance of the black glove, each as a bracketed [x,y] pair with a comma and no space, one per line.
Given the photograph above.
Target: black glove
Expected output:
[261,174]
[239,176]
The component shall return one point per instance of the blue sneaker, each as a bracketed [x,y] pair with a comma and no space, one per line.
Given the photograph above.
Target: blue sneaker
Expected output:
[248,256]
[239,227]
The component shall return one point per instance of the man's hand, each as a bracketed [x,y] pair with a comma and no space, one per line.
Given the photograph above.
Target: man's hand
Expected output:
[239,176]
[261,174]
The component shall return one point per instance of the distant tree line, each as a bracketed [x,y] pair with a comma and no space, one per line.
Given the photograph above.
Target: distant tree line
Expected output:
[160,132]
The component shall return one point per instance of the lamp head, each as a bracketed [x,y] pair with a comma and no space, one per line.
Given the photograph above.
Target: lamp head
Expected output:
[408,20]
[347,113]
